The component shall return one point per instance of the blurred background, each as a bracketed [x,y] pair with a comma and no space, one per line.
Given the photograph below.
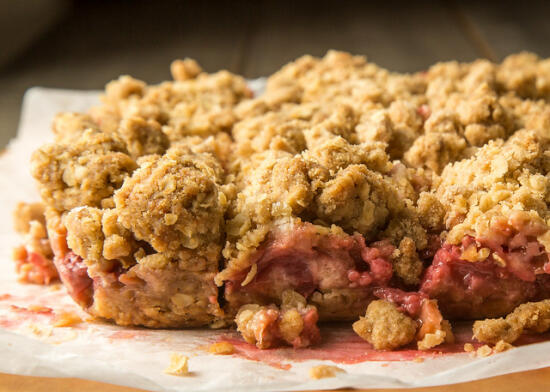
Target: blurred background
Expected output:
[82,44]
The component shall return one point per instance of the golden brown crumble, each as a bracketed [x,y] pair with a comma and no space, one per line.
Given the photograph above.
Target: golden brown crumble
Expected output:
[528,317]
[66,319]
[324,371]
[469,347]
[163,193]
[221,348]
[385,327]
[179,365]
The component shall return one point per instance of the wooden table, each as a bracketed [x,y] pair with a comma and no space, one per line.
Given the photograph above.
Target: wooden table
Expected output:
[101,39]
[98,40]
[532,381]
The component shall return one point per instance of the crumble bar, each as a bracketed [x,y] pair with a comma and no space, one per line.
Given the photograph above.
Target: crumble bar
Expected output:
[406,199]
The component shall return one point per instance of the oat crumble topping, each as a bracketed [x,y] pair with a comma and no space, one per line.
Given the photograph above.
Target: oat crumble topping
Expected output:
[344,191]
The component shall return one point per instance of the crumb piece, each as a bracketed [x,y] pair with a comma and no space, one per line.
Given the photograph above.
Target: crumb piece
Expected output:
[431,340]
[408,265]
[469,347]
[66,319]
[484,351]
[531,316]
[185,69]
[39,309]
[221,348]
[384,326]
[434,330]
[324,371]
[502,346]
[418,359]
[295,323]
[178,365]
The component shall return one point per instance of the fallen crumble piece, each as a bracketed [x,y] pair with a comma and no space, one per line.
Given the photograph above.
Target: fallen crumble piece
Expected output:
[179,365]
[221,348]
[385,327]
[66,319]
[502,346]
[324,371]
[486,350]
[469,347]
[33,259]
[529,317]
[294,323]
[400,318]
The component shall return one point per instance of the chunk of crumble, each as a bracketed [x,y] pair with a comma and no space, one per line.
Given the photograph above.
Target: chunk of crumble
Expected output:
[221,348]
[324,371]
[179,365]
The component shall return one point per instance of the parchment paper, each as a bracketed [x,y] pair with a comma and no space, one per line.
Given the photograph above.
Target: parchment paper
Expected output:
[30,345]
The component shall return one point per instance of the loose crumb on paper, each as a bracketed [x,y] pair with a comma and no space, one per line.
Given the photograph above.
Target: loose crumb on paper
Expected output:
[324,371]
[469,347]
[179,365]
[484,351]
[221,348]
[39,309]
[66,319]
[502,346]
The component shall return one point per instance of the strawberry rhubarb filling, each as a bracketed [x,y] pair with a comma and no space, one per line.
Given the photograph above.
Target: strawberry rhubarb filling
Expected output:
[489,276]
[307,261]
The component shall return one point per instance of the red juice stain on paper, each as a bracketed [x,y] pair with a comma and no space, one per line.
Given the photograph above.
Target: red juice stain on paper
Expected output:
[124,335]
[342,345]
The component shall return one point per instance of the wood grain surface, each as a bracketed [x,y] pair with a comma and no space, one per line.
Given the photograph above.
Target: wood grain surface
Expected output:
[101,39]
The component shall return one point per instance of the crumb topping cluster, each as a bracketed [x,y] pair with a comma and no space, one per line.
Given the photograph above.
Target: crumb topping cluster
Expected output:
[360,174]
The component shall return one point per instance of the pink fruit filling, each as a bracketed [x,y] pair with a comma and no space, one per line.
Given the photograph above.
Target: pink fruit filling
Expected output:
[74,275]
[407,302]
[489,276]
[304,260]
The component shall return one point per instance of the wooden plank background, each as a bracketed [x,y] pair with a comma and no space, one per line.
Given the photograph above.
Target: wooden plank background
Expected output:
[97,40]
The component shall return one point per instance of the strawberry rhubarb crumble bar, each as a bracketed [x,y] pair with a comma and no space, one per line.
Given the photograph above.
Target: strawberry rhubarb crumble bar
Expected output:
[343,192]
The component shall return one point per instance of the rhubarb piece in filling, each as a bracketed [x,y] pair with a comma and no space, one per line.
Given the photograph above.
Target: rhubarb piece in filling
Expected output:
[295,323]
[33,259]
[313,261]
[490,276]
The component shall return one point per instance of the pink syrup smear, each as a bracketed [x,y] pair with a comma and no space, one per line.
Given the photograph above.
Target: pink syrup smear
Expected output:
[17,311]
[341,345]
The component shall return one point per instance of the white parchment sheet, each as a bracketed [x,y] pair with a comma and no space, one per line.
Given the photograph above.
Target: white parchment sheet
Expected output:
[136,357]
